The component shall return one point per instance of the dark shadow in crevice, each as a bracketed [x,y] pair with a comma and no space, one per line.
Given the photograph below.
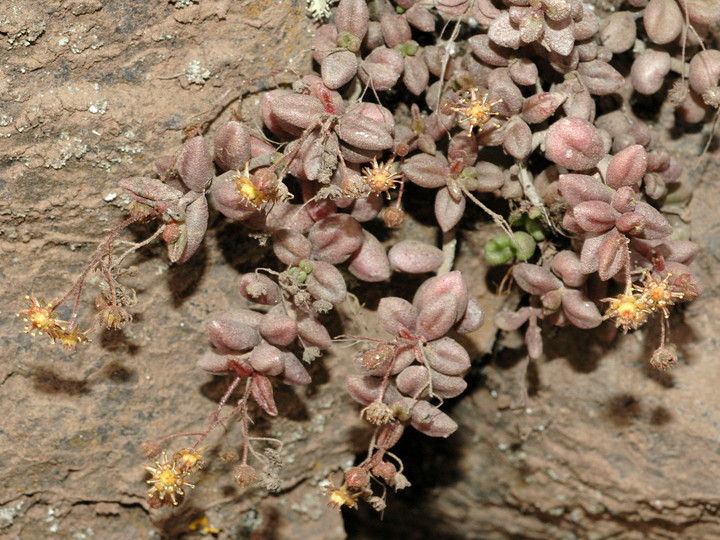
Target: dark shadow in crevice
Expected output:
[582,349]
[116,340]
[118,373]
[48,381]
[623,410]
[239,250]
[429,464]
[660,416]
[184,279]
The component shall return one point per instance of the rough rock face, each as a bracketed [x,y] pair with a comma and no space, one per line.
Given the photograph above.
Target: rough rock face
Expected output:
[589,442]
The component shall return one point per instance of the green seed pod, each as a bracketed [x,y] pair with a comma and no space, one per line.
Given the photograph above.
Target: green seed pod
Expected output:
[535,230]
[526,246]
[534,213]
[498,251]
[348,41]
[305,266]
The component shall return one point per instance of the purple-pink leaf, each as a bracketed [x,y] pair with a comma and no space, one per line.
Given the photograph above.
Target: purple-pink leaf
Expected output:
[262,392]
[580,310]
[595,216]
[535,279]
[431,421]
[612,255]
[395,313]
[576,188]
[414,257]
[452,283]
[473,318]
[448,357]
[235,330]
[426,171]
[627,167]
[370,262]
[437,316]
[267,359]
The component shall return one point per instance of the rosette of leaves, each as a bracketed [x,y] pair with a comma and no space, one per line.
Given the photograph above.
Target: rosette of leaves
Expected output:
[463,174]
[607,214]
[251,344]
[420,363]
[178,197]
[558,297]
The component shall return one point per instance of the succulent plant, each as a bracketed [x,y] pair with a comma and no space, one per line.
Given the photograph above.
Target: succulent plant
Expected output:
[524,108]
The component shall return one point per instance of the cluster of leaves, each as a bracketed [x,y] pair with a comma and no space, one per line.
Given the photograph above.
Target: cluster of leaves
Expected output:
[504,109]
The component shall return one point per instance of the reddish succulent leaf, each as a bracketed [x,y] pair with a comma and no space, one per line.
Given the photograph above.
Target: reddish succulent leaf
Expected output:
[595,216]
[262,392]
[612,255]
[580,310]
[535,279]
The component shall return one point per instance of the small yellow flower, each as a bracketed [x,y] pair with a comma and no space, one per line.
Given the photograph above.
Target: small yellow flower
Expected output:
[658,294]
[247,189]
[168,481]
[628,310]
[188,460]
[41,317]
[341,496]
[474,111]
[202,525]
[70,338]
[381,178]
